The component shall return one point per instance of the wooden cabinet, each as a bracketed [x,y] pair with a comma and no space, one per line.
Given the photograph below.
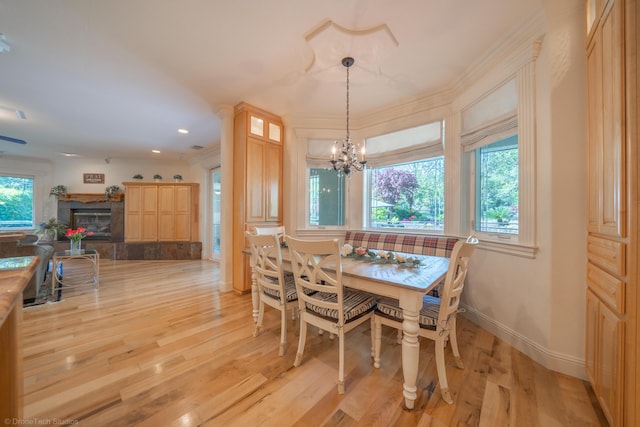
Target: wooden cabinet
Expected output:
[141,213]
[174,213]
[14,276]
[612,349]
[161,212]
[604,358]
[257,181]
[607,154]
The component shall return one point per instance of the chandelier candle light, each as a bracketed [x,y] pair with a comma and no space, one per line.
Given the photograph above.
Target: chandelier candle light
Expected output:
[344,154]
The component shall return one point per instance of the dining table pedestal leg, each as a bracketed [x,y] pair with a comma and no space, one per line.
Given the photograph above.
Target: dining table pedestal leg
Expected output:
[410,351]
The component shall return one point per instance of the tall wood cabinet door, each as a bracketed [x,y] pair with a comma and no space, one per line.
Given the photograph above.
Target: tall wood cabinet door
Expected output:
[607,158]
[133,214]
[166,217]
[141,214]
[273,182]
[255,180]
[611,364]
[182,219]
[592,336]
[594,153]
[149,214]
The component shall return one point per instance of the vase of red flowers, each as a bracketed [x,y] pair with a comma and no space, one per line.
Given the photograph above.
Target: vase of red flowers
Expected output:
[75,238]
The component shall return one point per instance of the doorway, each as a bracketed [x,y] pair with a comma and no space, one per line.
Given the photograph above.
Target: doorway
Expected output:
[216,189]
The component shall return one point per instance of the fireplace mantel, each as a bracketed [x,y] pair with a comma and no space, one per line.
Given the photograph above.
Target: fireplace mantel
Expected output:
[90,197]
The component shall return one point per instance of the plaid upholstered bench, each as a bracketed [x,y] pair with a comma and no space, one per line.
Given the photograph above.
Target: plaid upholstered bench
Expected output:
[420,244]
[410,243]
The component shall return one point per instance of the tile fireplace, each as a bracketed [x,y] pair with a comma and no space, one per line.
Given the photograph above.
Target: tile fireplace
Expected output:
[104,219]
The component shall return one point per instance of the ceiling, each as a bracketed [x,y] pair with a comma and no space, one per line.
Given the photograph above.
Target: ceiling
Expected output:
[117,78]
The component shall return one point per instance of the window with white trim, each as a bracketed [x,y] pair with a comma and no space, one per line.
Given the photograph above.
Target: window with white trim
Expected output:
[405,179]
[496,189]
[492,150]
[326,188]
[326,197]
[16,202]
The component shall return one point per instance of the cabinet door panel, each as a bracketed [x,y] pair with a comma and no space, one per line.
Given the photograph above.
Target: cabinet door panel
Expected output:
[607,159]
[255,182]
[273,178]
[594,153]
[182,211]
[611,333]
[166,226]
[613,155]
[133,214]
[149,214]
[141,221]
[592,334]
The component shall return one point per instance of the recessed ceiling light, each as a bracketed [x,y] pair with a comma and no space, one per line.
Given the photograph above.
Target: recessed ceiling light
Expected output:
[155,151]
[69,154]
[183,131]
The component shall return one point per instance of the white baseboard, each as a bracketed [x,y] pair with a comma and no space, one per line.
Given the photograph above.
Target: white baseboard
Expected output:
[555,361]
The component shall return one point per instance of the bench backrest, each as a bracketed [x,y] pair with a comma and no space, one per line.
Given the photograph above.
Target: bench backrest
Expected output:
[408,243]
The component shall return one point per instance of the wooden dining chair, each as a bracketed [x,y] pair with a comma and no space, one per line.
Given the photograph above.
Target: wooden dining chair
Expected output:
[322,299]
[437,318]
[277,231]
[275,289]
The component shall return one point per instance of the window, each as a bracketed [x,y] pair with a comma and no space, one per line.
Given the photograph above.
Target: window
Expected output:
[16,202]
[406,179]
[409,195]
[496,177]
[326,197]
[498,140]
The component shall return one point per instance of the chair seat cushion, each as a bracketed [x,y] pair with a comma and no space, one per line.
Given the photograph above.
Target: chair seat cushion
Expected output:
[356,304]
[428,318]
[289,287]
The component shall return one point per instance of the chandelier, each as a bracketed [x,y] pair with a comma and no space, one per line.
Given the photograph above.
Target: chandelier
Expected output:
[344,154]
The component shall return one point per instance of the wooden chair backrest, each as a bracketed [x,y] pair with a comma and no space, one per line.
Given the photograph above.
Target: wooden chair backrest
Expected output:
[454,280]
[267,262]
[278,231]
[310,260]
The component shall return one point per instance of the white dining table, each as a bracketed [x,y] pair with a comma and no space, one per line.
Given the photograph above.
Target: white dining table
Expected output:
[406,284]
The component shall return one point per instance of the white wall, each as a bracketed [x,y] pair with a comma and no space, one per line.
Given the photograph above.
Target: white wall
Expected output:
[539,305]
[69,171]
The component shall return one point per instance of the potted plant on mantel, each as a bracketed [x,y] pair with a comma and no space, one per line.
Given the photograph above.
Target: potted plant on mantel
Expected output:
[60,191]
[113,193]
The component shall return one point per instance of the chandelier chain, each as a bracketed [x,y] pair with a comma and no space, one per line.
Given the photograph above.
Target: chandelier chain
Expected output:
[348,133]
[344,157]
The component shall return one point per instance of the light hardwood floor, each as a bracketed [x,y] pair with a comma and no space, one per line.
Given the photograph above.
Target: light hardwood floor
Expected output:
[158,345]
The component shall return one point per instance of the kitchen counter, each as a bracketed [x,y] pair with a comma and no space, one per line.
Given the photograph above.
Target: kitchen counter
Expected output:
[15,273]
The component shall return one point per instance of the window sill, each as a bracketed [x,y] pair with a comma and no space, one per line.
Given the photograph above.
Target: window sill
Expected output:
[513,249]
